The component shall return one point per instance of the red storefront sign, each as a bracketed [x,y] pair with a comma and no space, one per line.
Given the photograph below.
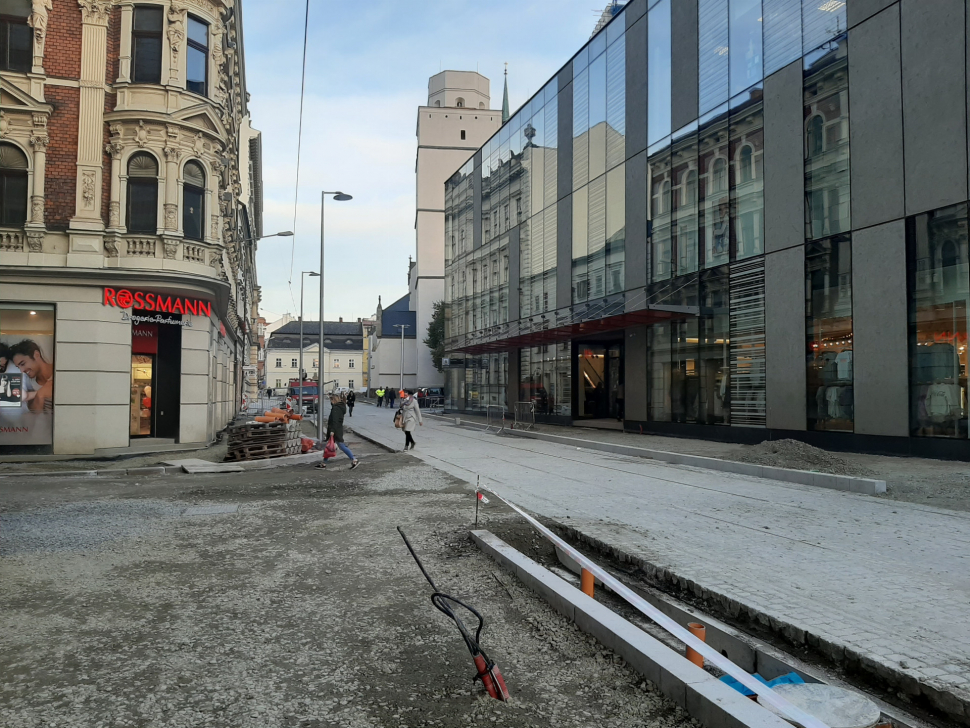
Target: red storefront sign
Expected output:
[144,339]
[123,298]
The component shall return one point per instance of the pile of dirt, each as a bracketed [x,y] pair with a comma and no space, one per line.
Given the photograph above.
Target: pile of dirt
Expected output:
[797,455]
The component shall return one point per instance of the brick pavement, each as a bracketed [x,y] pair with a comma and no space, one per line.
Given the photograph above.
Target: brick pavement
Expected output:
[878,585]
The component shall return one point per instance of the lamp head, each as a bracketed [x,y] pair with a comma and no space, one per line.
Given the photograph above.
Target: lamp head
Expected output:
[342,197]
[312,274]
[284,234]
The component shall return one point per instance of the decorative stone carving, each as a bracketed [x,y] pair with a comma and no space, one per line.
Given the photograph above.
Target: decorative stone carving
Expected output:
[35,240]
[199,146]
[114,148]
[114,214]
[38,21]
[171,248]
[95,12]
[216,31]
[39,141]
[214,227]
[171,216]
[141,134]
[87,189]
[111,246]
[4,125]
[39,121]
[176,35]
[37,209]
[172,154]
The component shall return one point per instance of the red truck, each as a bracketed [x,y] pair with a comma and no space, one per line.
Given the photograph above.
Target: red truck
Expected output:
[311,394]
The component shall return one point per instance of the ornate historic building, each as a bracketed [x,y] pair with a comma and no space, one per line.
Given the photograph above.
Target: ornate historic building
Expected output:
[130,207]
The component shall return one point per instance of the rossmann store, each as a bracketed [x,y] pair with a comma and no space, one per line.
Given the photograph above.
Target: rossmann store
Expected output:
[101,367]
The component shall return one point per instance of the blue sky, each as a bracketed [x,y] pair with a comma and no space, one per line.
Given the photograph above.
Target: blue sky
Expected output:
[368,65]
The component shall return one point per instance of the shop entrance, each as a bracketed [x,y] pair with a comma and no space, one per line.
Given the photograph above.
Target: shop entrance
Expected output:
[156,356]
[599,376]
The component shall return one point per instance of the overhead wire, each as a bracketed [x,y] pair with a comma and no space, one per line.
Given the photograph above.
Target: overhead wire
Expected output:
[299,144]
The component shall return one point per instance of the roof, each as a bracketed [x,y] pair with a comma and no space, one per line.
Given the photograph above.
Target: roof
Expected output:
[352,328]
[399,313]
[339,336]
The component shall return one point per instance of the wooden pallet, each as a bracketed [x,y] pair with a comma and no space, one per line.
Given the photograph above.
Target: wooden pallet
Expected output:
[256,452]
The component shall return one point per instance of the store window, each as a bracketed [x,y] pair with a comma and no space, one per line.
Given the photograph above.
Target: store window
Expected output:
[16,36]
[146,44]
[13,186]
[939,289]
[828,331]
[142,194]
[197,57]
[193,195]
[26,376]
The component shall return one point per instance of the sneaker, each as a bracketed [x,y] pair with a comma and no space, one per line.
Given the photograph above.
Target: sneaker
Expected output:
[321,466]
[354,464]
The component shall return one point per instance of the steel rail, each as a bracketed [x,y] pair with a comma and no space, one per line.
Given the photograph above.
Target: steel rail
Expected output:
[789,711]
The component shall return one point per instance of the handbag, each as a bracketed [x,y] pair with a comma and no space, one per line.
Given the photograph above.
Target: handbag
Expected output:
[330,450]
[399,419]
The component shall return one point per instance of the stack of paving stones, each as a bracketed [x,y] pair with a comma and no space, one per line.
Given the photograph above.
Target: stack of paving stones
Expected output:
[261,440]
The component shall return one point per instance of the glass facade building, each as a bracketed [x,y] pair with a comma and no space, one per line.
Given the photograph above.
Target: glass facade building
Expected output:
[685,230]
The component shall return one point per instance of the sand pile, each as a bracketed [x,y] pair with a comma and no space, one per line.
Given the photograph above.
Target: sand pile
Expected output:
[799,456]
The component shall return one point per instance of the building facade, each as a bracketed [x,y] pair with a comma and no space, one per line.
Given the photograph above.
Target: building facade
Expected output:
[343,354]
[736,219]
[131,201]
[389,352]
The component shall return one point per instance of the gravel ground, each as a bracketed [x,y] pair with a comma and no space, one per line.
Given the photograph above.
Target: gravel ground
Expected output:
[298,606]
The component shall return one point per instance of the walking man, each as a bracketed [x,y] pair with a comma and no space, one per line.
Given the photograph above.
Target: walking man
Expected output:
[380,396]
[390,397]
[351,401]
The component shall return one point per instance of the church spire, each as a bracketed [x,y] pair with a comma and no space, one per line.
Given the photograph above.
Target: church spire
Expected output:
[505,96]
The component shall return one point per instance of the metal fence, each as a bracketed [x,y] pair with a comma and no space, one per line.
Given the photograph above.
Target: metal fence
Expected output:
[494,417]
[525,416]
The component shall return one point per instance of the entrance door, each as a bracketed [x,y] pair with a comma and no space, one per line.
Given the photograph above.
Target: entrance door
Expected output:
[599,373]
[141,422]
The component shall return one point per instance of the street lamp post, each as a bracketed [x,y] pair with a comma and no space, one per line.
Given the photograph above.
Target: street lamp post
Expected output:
[312,274]
[402,327]
[339,197]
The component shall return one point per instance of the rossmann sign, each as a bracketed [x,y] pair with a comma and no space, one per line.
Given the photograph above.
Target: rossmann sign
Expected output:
[123,298]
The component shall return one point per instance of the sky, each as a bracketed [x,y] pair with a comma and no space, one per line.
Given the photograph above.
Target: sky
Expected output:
[368,65]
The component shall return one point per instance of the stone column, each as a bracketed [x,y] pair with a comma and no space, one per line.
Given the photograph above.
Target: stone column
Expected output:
[86,226]
[176,37]
[35,227]
[38,21]
[171,234]
[114,148]
[124,52]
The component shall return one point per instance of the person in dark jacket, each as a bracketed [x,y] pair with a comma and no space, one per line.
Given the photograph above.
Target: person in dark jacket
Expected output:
[335,427]
[351,401]
[390,396]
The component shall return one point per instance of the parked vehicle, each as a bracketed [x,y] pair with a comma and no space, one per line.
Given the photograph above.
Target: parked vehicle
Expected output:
[311,393]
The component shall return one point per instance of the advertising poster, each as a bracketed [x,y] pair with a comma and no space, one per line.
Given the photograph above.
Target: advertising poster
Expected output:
[26,375]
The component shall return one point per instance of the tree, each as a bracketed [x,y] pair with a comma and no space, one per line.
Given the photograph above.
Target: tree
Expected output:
[436,334]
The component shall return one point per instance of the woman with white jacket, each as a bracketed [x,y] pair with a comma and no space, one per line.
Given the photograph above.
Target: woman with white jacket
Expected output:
[411,418]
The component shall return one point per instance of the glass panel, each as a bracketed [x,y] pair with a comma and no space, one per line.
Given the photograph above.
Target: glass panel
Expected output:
[747,147]
[140,420]
[712,29]
[822,20]
[684,201]
[827,144]
[745,27]
[597,237]
[661,220]
[615,229]
[714,349]
[659,355]
[13,199]
[15,8]
[939,289]
[596,46]
[580,281]
[714,193]
[580,129]
[597,117]
[198,32]
[148,18]
[658,71]
[616,101]
[147,59]
[192,212]
[828,333]
[747,314]
[12,158]
[142,165]
[551,156]
[195,62]
[142,206]
[193,174]
[782,33]
[592,401]
[20,47]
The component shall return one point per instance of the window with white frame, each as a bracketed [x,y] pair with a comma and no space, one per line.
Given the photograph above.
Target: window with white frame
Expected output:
[336,363]
[350,363]
[294,363]
[279,364]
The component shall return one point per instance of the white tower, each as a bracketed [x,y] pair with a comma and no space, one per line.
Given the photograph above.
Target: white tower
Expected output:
[454,124]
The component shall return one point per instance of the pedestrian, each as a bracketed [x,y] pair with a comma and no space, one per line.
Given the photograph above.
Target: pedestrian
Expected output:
[390,397]
[411,418]
[380,396]
[351,401]
[335,428]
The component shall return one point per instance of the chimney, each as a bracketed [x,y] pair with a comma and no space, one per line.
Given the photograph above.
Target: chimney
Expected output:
[341,319]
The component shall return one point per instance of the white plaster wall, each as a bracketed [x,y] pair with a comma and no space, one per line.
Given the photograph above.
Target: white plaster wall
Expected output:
[194,386]
[429,291]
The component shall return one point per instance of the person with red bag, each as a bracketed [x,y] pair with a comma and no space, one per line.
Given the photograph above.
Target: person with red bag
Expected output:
[335,433]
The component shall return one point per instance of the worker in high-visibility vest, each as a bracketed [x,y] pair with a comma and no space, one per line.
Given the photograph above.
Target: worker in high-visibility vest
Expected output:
[380,397]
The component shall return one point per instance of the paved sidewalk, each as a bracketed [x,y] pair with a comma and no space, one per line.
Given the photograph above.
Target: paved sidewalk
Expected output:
[880,584]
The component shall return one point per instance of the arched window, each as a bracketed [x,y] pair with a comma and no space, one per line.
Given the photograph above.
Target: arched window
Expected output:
[814,134]
[13,186]
[719,176]
[481,105]
[460,102]
[142,194]
[746,162]
[690,188]
[193,195]
[16,36]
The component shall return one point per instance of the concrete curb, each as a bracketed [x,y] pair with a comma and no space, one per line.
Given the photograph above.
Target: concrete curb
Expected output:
[704,697]
[157,470]
[846,483]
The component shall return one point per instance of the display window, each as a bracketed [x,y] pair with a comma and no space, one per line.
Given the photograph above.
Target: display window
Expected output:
[26,375]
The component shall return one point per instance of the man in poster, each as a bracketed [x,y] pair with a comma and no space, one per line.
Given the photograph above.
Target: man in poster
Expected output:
[30,360]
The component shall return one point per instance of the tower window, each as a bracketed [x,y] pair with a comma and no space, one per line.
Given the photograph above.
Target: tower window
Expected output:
[463,134]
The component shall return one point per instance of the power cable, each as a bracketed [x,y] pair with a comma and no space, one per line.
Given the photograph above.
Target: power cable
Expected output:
[299,144]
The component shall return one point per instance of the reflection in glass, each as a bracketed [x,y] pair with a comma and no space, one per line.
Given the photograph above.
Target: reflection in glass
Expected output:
[747,145]
[615,229]
[616,101]
[714,201]
[597,116]
[580,278]
[658,71]
[828,330]
[661,191]
[939,289]
[684,201]
[581,129]
[712,35]
[827,143]
[715,347]
[597,237]
[782,33]
[821,21]
[745,29]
